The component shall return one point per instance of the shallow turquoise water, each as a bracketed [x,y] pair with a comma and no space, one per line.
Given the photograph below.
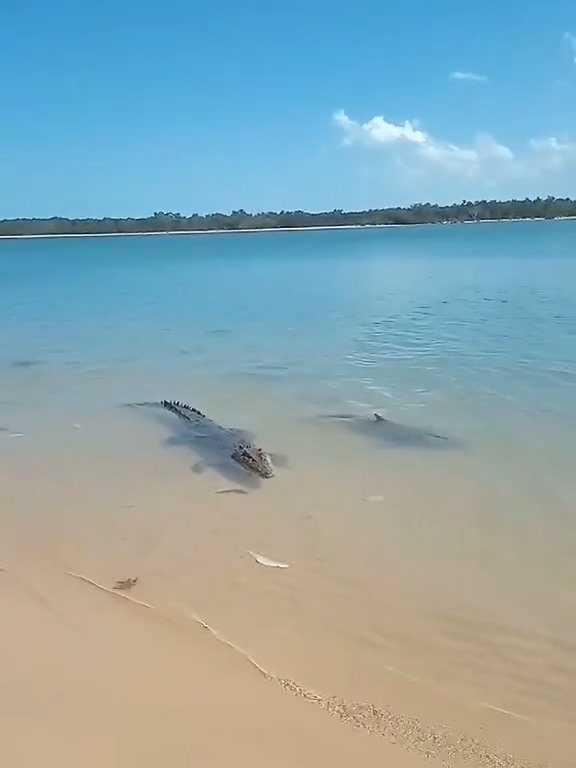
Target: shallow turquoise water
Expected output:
[459,320]
[469,330]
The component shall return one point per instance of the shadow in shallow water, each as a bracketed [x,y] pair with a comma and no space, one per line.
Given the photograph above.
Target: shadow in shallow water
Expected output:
[26,363]
[387,433]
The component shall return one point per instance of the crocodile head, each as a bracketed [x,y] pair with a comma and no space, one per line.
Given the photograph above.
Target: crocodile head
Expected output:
[253,459]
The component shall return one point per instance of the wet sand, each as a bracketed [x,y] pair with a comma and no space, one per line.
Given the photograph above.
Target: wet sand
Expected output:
[93,677]
[90,679]
[363,662]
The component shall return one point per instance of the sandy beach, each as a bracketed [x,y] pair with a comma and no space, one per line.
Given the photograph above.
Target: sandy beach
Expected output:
[97,678]
[213,231]
[212,656]
[90,679]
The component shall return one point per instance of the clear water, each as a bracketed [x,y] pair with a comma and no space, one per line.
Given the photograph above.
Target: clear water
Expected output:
[469,330]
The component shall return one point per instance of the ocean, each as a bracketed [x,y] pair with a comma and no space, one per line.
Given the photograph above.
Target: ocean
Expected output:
[432,575]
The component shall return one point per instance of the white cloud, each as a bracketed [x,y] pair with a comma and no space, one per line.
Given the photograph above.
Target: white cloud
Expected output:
[483,158]
[378,131]
[551,153]
[420,145]
[471,76]
[470,159]
[570,38]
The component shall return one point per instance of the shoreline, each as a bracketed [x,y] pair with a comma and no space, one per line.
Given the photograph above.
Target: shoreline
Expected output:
[277,229]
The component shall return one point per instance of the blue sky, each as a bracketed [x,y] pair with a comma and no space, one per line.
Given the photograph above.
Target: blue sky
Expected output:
[123,108]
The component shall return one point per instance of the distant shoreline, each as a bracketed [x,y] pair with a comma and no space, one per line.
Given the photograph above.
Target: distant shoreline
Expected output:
[210,231]
[248,230]
[169,222]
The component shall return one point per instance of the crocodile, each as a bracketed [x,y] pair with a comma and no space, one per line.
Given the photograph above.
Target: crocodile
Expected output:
[210,438]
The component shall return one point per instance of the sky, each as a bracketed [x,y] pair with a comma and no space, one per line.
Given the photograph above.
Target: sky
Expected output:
[125,108]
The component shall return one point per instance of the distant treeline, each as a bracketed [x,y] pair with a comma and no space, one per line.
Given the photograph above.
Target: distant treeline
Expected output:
[420,213]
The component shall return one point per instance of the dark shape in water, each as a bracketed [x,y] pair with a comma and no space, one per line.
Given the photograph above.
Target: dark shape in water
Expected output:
[231,452]
[25,363]
[390,432]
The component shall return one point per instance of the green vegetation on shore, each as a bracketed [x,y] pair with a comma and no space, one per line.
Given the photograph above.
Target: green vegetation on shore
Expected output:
[421,213]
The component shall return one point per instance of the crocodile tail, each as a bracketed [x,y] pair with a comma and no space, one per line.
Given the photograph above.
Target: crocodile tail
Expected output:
[181,409]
